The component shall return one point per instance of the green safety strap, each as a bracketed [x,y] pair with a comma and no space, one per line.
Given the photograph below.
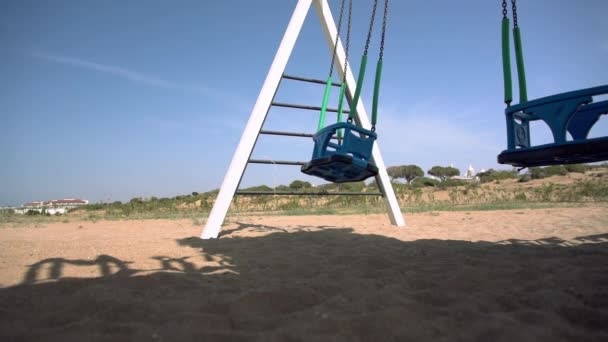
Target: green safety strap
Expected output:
[324,104]
[379,69]
[376,94]
[341,106]
[506,61]
[353,106]
[521,72]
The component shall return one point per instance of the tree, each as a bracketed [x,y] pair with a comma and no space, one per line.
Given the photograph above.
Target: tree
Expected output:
[298,185]
[407,172]
[444,172]
[394,172]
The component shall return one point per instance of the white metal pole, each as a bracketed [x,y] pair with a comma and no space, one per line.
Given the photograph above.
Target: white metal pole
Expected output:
[329,29]
[254,125]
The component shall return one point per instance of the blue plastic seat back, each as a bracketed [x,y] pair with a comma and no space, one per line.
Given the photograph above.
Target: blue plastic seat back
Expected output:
[572,112]
[580,124]
[358,142]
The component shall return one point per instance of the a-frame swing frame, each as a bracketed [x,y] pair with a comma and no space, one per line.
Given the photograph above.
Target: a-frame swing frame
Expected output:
[262,106]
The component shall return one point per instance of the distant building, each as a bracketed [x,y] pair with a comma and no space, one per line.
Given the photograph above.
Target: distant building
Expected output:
[470,172]
[469,176]
[52,207]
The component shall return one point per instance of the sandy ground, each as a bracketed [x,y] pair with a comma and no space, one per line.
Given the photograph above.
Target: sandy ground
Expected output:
[524,275]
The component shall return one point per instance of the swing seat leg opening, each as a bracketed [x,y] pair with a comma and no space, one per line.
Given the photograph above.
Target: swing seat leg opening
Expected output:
[339,168]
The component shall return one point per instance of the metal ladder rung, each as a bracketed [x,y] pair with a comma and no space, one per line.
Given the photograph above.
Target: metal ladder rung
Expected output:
[292,134]
[277,162]
[287,134]
[316,108]
[309,80]
[297,193]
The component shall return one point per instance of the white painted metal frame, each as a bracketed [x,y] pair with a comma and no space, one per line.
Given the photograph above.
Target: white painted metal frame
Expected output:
[262,106]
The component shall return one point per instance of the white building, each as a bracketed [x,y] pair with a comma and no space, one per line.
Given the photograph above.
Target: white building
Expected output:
[52,207]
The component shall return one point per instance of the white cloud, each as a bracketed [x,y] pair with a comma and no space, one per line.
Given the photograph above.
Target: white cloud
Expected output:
[124,73]
[428,134]
[229,100]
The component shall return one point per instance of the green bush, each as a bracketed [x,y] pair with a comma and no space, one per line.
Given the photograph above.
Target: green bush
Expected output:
[556,170]
[578,168]
[424,181]
[537,173]
[354,187]
[449,183]
[494,175]
[542,172]
[521,197]
[283,188]
[259,188]
[525,178]
[299,185]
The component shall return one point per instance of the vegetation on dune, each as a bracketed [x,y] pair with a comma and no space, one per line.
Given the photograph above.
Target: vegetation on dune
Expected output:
[493,175]
[543,172]
[495,189]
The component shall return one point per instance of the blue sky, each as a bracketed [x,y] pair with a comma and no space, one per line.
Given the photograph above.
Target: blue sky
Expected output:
[116,99]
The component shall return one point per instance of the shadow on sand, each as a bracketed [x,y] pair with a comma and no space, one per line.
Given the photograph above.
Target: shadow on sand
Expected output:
[325,285]
[55,266]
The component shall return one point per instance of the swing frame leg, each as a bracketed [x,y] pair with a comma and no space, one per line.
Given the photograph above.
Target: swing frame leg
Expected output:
[262,105]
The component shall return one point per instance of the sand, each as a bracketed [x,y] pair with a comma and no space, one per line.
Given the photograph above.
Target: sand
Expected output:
[517,275]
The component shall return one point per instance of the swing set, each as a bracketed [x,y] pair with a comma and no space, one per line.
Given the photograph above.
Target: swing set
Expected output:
[346,151]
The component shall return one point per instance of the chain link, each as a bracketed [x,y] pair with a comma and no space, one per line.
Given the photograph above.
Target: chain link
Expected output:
[514,7]
[350,12]
[333,55]
[383,29]
[504,8]
[371,26]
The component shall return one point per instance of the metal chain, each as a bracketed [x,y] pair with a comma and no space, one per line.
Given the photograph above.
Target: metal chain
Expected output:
[504,8]
[333,55]
[514,7]
[371,26]
[383,29]
[350,11]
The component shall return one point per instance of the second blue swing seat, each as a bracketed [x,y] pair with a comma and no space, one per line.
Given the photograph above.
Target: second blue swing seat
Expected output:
[345,161]
[573,112]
